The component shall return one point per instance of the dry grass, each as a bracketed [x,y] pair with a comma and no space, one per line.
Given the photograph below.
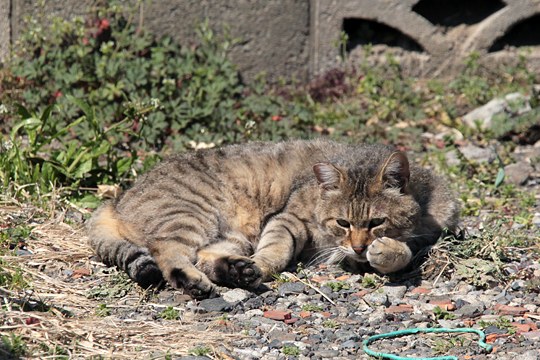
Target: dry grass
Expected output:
[59,317]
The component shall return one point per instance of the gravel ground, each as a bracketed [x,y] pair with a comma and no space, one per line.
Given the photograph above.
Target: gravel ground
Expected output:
[326,313]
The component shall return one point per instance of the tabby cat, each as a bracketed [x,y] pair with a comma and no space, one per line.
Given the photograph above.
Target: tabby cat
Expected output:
[236,215]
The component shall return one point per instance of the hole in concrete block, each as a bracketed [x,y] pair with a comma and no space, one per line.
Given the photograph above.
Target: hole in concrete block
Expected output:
[364,32]
[450,13]
[524,33]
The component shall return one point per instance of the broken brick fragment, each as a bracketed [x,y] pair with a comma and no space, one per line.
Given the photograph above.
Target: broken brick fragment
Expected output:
[280,315]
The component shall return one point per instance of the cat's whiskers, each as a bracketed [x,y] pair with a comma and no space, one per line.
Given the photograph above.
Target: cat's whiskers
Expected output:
[323,256]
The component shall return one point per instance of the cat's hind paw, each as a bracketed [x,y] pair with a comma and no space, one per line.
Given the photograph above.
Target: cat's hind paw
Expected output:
[198,287]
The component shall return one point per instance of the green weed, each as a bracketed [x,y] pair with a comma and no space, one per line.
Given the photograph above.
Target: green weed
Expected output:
[337,285]
[170,313]
[200,351]
[290,350]
[312,307]
[102,310]
[501,323]
[14,345]
[439,313]
[331,324]
[444,345]
[370,281]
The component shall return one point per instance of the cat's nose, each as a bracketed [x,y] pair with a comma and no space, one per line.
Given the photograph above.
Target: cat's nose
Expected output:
[359,249]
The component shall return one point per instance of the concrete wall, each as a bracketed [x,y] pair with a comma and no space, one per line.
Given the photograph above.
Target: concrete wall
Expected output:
[445,40]
[299,38]
[5,28]
[273,34]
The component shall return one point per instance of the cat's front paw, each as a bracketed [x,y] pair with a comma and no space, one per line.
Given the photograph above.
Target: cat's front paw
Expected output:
[243,272]
[388,255]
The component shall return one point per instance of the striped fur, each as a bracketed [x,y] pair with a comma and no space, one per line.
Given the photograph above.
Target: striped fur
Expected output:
[236,215]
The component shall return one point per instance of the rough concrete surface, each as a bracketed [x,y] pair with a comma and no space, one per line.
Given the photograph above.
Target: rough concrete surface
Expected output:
[300,38]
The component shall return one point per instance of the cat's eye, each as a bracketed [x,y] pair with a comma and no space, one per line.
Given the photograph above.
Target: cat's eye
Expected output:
[343,223]
[373,223]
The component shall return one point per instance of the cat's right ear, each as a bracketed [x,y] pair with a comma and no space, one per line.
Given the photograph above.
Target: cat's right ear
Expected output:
[328,176]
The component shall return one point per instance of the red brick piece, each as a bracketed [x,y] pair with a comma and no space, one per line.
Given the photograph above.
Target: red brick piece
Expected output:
[420,290]
[398,309]
[361,293]
[522,328]
[279,315]
[291,321]
[320,279]
[509,310]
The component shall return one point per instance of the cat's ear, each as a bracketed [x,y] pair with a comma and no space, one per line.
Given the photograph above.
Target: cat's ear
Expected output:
[395,172]
[328,176]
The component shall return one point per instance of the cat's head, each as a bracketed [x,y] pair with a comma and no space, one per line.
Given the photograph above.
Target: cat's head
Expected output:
[361,203]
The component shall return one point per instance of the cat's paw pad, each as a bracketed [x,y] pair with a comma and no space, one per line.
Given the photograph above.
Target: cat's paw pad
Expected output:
[243,272]
[198,287]
[388,255]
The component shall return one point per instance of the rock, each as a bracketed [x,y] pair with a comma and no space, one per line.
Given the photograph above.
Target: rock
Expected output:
[532,335]
[215,304]
[291,288]
[326,354]
[377,298]
[281,335]
[349,344]
[536,219]
[470,310]
[394,293]
[236,295]
[517,173]
[253,303]
[478,154]
[346,335]
[492,329]
[514,103]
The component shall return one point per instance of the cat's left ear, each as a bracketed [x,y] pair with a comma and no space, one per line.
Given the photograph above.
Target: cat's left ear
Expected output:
[328,176]
[395,172]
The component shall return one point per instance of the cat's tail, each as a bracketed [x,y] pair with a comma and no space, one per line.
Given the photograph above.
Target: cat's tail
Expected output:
[107,237]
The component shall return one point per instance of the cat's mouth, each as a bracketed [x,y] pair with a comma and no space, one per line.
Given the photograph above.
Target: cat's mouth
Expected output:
[358,256]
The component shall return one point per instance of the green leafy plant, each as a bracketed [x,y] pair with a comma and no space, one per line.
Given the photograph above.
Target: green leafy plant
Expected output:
[501,323]
[14,345]
[338,285]
[109,61]
[37,159]
[170,313]
[439,313]
[369,281]
[331,324]
[102,310]
[312,307]
[200,351]
[290,350]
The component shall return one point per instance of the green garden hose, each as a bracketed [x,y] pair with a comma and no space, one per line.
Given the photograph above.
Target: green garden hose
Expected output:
[381,355]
